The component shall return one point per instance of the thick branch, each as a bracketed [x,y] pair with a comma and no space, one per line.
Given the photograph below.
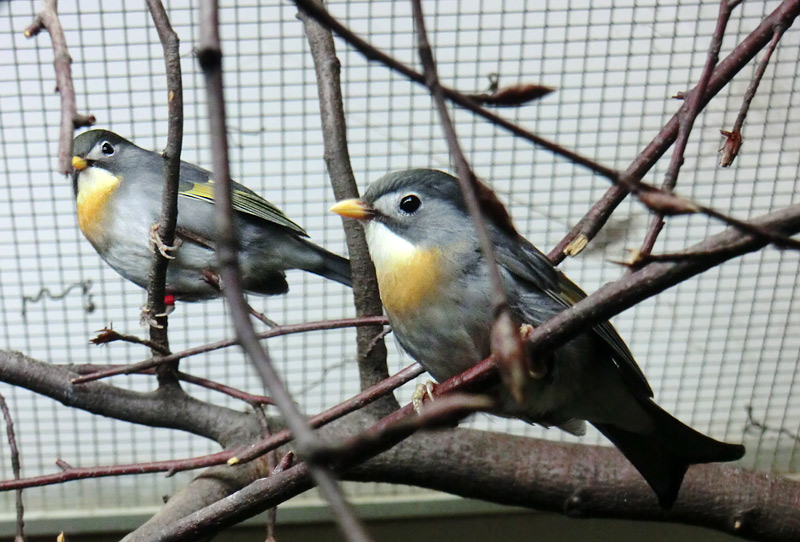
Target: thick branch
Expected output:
[586,481]
[161,408]
[371,348]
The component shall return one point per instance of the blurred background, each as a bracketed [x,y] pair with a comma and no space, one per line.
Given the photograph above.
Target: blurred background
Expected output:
[720,350]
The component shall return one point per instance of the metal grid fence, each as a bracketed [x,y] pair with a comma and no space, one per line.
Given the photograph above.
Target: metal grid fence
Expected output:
[713,347]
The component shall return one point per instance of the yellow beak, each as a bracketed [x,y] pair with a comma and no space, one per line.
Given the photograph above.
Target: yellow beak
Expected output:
[354,208]
[79,163]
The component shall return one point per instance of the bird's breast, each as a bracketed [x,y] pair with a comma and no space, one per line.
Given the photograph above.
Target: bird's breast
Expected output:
[95,188]
[409,277]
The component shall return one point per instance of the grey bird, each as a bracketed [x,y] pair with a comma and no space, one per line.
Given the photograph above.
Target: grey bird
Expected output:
[118,191]
[436,290]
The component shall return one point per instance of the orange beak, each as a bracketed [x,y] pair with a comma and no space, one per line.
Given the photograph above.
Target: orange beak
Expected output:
[354,208]
[79,163]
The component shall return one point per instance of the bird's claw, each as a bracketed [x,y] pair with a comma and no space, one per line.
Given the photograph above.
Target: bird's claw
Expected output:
[145,320]
[163,248]
[420,393]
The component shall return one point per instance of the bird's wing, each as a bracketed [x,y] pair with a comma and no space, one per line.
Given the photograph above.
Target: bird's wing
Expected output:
[526,262]
[201,187]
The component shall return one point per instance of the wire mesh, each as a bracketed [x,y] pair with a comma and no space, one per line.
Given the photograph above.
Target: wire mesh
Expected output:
[718,349]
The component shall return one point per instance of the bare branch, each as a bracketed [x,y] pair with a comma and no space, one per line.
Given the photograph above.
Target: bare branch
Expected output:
[240,454]
[15,467]
[319,13]
[687,116]
[47,19]
[160,408]
[371,348]
[156,289]
[307,444]
[585,230]
[108,335]
[733,139]
[586,481]
[506,342]
[656,277]
[286,329]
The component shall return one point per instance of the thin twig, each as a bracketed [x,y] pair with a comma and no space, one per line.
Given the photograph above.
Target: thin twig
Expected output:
[249,398]
[108,335]
[307,443]
[506,342]
[156,288]
[687,116]
[656,277]
[370,395]
[586,228]
[47,19]
[286,329]
[318,12]
[372,366]
[273,465]
[733,140]
[286,462]
[15,467]
[227,390]
[624,182]
[262,317]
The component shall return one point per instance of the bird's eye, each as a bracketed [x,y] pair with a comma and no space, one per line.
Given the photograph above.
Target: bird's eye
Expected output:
[410,203]
[107,148]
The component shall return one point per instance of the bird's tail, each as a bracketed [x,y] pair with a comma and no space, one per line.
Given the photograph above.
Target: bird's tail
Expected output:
[328,265]
[663,456]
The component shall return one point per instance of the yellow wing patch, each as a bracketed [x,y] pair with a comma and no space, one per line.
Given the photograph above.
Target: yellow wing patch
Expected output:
[95,187]
[202,191]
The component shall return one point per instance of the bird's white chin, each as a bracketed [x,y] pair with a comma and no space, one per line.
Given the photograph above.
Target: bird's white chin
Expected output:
[387,249]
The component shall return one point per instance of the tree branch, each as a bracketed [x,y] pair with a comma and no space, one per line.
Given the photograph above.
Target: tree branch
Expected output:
[687,116]
[15,467]
[156,288]
[506,342]
[47,19]
[585,230]
[307,444]
[285,329]
[371,351]
[160,408]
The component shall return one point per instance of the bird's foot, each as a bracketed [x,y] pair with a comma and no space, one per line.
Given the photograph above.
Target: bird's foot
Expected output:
[420,393]
[163,248]
[525,331]
[145,320]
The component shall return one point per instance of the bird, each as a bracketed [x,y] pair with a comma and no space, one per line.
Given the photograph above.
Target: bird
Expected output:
[118,188]
[436,290]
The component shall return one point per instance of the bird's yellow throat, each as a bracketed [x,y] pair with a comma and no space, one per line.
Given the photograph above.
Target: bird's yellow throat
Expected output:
[408,276]
[95,187]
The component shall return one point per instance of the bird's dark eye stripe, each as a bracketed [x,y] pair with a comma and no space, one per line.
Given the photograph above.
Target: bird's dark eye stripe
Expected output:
[107,148]
[410,203]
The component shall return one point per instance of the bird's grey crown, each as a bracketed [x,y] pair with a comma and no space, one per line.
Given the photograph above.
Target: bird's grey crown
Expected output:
[84,142]
[425,182]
